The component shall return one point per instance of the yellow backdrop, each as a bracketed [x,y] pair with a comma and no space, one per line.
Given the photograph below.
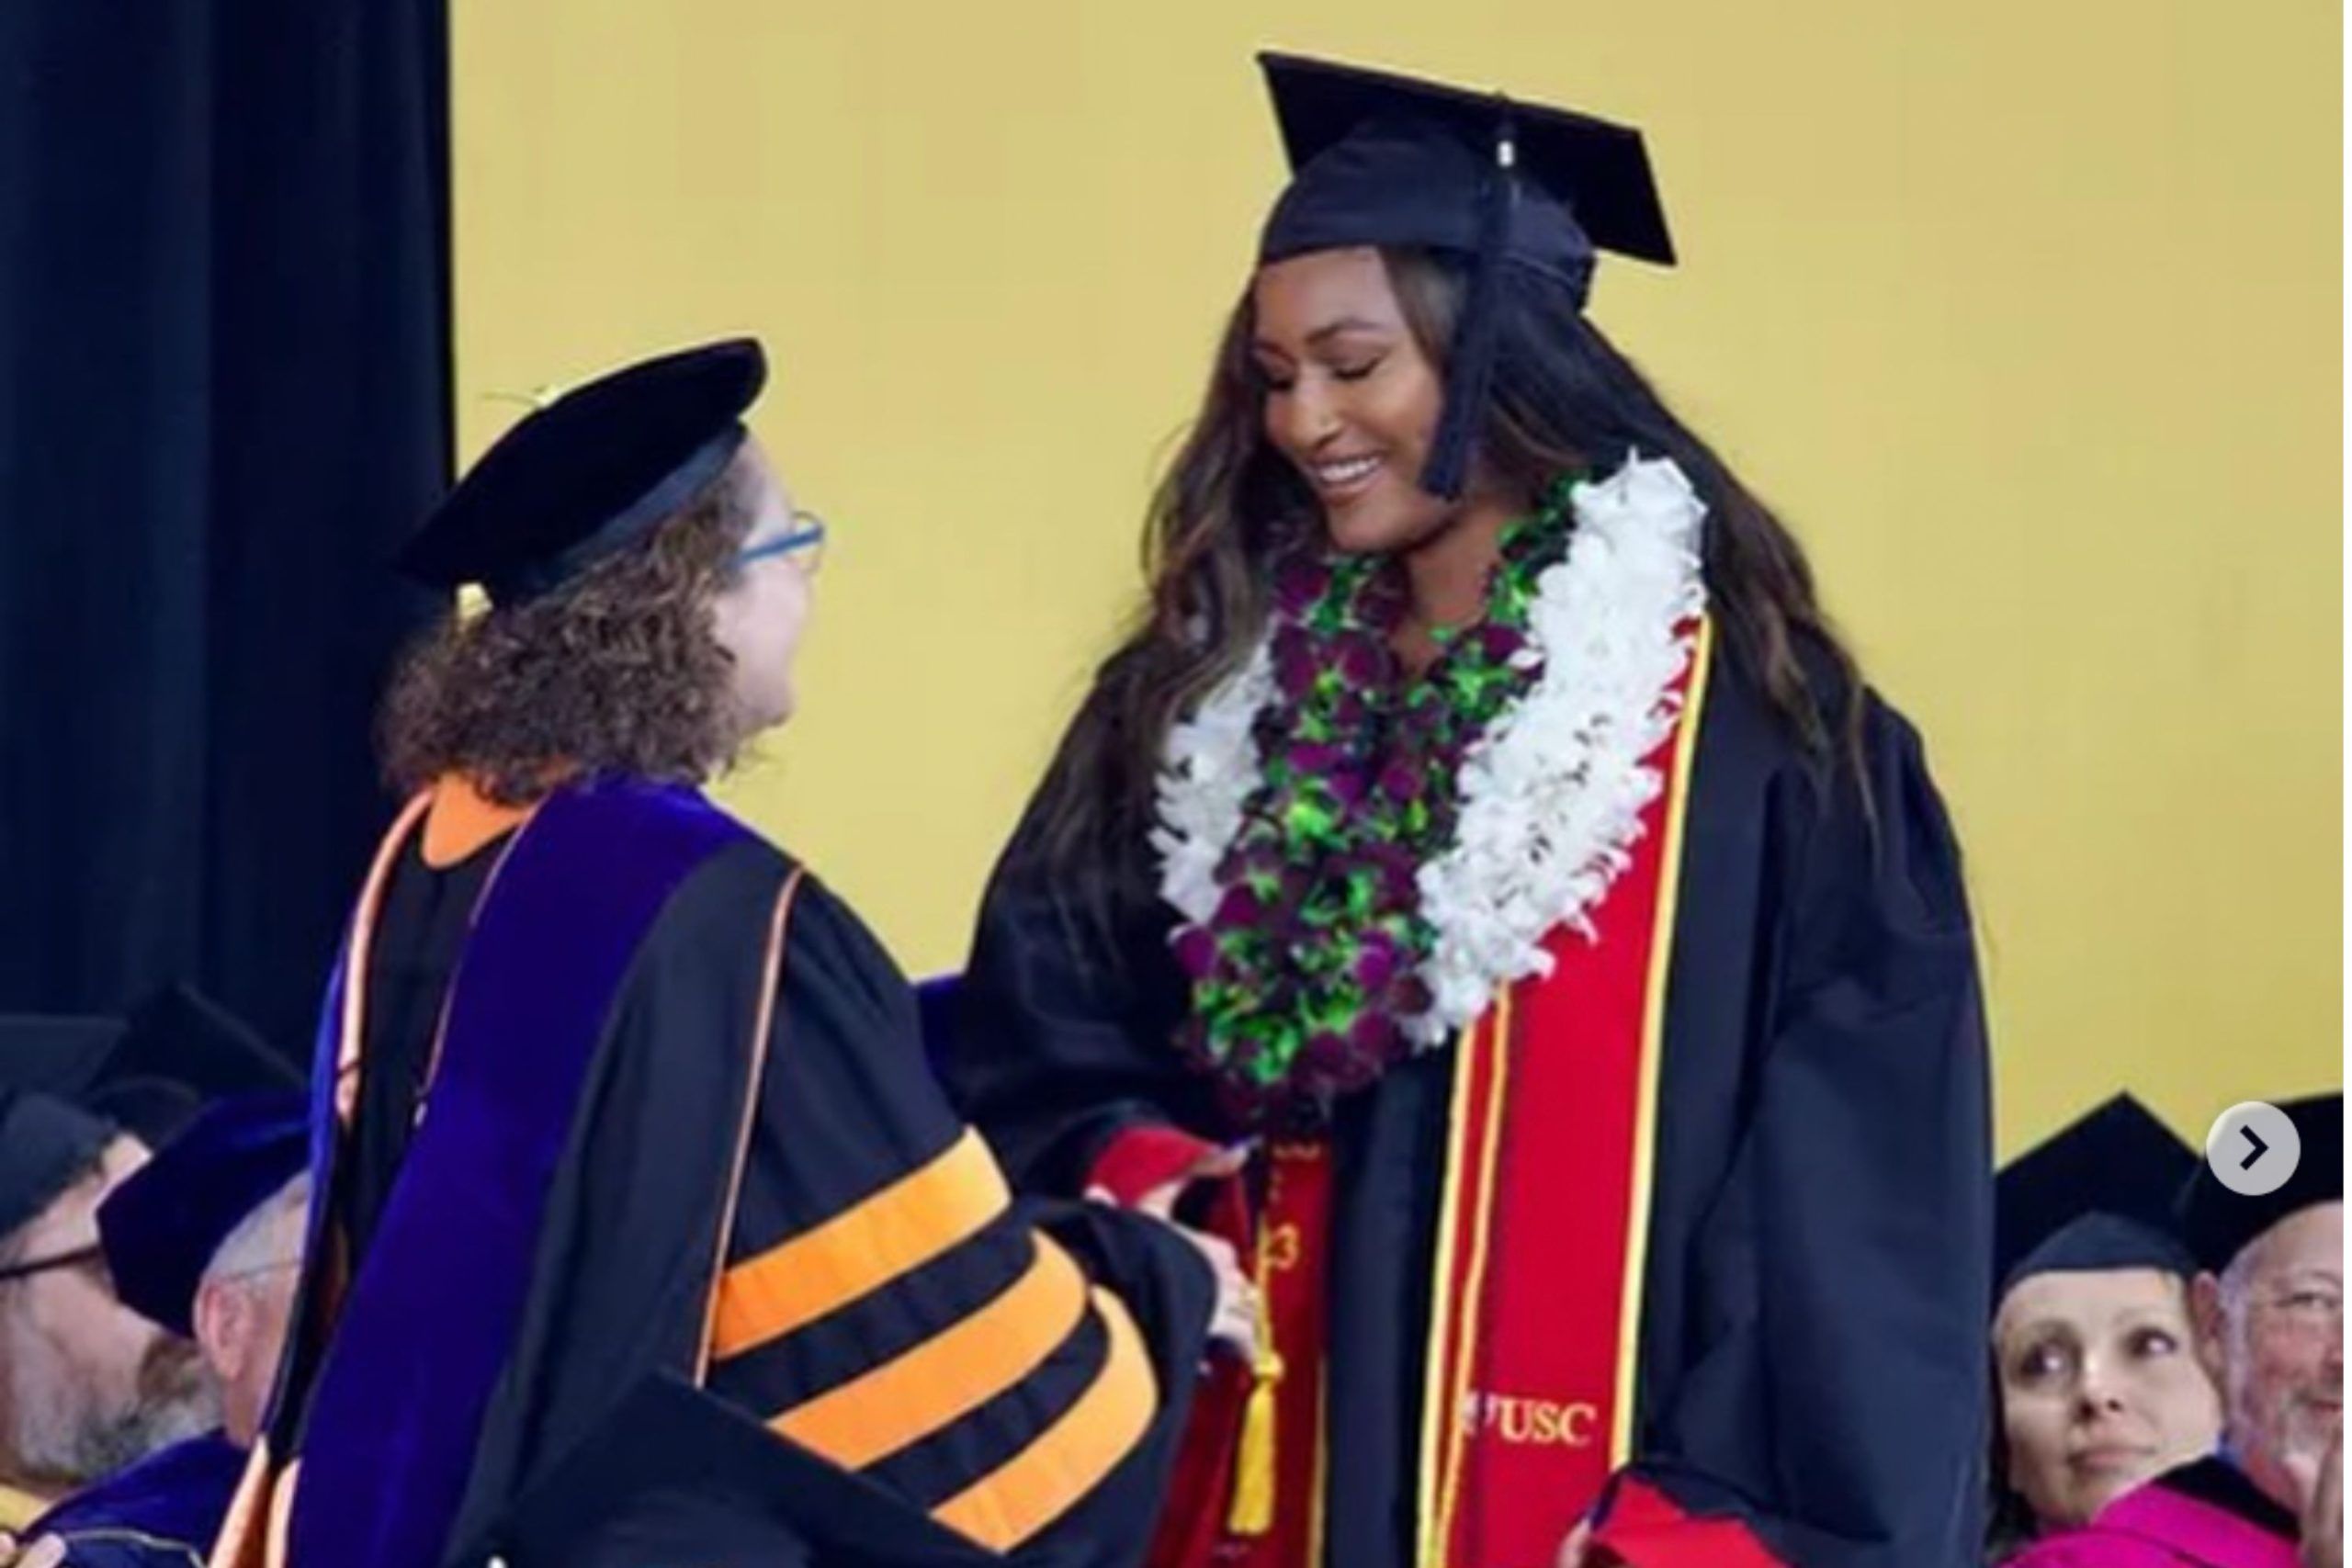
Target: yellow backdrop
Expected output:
[2027,315]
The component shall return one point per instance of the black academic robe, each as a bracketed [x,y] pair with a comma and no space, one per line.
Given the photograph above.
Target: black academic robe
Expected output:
[967,1366]
[1810,1342]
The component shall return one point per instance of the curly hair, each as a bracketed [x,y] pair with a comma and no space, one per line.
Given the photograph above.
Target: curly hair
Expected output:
[619,672]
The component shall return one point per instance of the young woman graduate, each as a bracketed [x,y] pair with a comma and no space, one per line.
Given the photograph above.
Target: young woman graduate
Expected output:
[1484,817]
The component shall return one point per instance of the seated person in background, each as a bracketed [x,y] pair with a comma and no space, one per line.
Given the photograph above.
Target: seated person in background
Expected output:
[150,1073]
[204,1241]
[86,1385]
[2094,1363]
[2269,1322]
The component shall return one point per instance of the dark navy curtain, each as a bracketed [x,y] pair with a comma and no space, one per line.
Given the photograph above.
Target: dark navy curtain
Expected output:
[224,397]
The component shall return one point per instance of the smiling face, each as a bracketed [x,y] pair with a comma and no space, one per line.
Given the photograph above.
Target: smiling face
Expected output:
[2099,1387]
[1351,399]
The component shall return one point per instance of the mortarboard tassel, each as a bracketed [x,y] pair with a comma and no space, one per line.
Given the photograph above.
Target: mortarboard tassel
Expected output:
[1477,338]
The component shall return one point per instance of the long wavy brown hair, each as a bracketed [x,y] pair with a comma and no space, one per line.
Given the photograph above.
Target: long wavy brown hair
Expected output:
[619,672]
[1564,399]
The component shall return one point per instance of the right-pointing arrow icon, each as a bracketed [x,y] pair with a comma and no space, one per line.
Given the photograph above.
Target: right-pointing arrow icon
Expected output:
[2270,1133]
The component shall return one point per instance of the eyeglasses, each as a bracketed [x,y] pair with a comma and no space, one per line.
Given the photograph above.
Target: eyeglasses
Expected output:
[92,1257]
[808,534]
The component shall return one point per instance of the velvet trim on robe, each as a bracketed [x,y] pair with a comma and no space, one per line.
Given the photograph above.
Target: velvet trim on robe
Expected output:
[162,1512]
[674,1147]
[432,1316]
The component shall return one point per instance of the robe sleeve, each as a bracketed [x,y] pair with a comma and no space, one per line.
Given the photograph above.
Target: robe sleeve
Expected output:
[1062,1054]
[1852,1431]
[1015,1371]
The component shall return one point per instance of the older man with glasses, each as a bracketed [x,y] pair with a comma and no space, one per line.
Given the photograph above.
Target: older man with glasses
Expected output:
[86,1385]
[203,1241]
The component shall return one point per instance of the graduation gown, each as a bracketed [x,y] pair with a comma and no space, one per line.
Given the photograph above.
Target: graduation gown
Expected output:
[669,1177]
[1794,1373]
[2202,1515]
[162,1512]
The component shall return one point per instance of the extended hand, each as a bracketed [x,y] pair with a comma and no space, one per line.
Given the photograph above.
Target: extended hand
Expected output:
[1235,1320]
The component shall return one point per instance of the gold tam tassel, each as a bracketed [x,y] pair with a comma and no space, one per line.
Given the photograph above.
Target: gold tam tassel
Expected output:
[1252,1512]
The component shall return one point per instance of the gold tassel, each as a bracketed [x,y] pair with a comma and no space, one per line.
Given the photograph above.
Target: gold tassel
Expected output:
[1254,1479]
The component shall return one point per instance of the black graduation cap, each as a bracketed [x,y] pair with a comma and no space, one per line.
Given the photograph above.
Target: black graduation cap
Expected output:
[2219,1223]
[54,1051]
[179,1051]
[162,1225]
[2097,1194]
[1386,160]
[576,482]
[150,1074]
[45,1143]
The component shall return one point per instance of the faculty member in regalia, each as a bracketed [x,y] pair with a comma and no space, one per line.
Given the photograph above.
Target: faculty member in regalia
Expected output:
[642,1236]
